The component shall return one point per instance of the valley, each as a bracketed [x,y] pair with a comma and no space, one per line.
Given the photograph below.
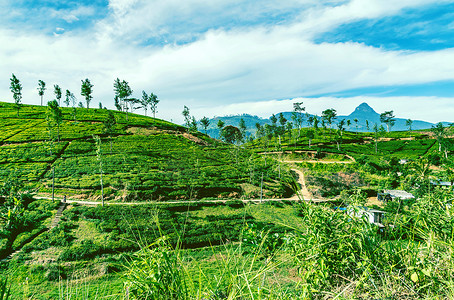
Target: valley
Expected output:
[155,210]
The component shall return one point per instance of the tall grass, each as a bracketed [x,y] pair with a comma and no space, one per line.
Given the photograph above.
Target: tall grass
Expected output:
[337,256]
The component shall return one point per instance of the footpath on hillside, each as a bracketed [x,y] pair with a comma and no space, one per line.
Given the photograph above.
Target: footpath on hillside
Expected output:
[302,194]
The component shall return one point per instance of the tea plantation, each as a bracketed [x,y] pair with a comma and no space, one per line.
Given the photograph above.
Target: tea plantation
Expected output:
[150,159]
[166,235]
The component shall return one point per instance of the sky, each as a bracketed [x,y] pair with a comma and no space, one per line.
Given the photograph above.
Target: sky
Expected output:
[229,57]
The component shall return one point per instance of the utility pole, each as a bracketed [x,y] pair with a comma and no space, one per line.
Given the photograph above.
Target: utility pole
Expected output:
[53,182]
[261,189]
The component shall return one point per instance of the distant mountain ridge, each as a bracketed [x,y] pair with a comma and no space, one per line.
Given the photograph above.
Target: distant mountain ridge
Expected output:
[362,113]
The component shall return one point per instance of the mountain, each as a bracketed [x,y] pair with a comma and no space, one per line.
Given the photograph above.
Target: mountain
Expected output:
[364,112]
[361,113]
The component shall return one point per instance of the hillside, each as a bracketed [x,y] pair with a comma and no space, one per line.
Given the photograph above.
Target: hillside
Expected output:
[151,159]
[217,249]
[362,113]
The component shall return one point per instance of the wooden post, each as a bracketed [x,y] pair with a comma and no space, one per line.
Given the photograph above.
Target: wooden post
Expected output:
[261,189]
[53,182]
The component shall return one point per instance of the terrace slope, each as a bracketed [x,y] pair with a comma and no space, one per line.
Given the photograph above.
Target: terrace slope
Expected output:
[150,159]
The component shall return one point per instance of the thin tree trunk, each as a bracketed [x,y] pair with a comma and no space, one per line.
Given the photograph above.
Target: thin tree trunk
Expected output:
[53,183]
[102,191]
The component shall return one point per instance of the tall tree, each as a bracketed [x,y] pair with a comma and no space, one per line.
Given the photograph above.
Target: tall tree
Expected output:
[153,104]
[376,132]
[109,126]
[86,90]
[329,115]
[220,125]
[205,123]
[117,104]
[440,133]
[16,89]
[289,128]
[310,120]
[356,124]
[69,99]
[298,109]
[122,91]
[41,89]
[145,101]
[367,125]
[58,94]
[341,126]
[409,123]
[259,130]
[316,122]
[55,116]
[187,117]
[388,118]
[242,127]
[193,125]
[132,102]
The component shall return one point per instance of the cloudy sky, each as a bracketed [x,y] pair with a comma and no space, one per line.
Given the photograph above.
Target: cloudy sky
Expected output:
[231,56]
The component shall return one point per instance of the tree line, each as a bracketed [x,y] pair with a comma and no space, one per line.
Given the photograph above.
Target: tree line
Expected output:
[122,96]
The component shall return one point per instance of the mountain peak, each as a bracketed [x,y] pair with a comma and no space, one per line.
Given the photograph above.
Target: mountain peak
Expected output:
[364,111]
[364,108]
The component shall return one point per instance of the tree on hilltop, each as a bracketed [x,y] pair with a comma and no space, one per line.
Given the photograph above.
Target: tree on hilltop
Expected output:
[69,99]
[149,100]
[57,92]
[16,89]
[205,123]
[145,101]
[187,117]
[220,125]
[122,92]
[153,104]
[86,90]
[41,89]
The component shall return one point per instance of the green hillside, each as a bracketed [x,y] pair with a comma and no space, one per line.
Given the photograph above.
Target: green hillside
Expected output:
[179,247]
[151,159]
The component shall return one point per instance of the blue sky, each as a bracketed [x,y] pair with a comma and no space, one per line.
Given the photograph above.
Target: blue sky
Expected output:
[231,56]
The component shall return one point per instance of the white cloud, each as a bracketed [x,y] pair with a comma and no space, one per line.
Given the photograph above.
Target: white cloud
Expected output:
[221,67]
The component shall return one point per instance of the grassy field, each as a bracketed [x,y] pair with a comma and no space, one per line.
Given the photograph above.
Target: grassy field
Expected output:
[150,159]
[179,247]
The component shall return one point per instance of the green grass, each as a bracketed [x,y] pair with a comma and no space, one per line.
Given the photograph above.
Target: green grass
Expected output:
[150,159]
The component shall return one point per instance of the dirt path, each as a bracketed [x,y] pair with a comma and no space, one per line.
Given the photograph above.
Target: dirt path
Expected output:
[318,161]
[304,193]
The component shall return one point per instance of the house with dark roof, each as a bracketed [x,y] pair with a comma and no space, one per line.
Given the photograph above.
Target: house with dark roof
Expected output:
[390,195]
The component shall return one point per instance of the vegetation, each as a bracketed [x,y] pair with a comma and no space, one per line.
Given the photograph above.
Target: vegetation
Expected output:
[188,228]
[143,158]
